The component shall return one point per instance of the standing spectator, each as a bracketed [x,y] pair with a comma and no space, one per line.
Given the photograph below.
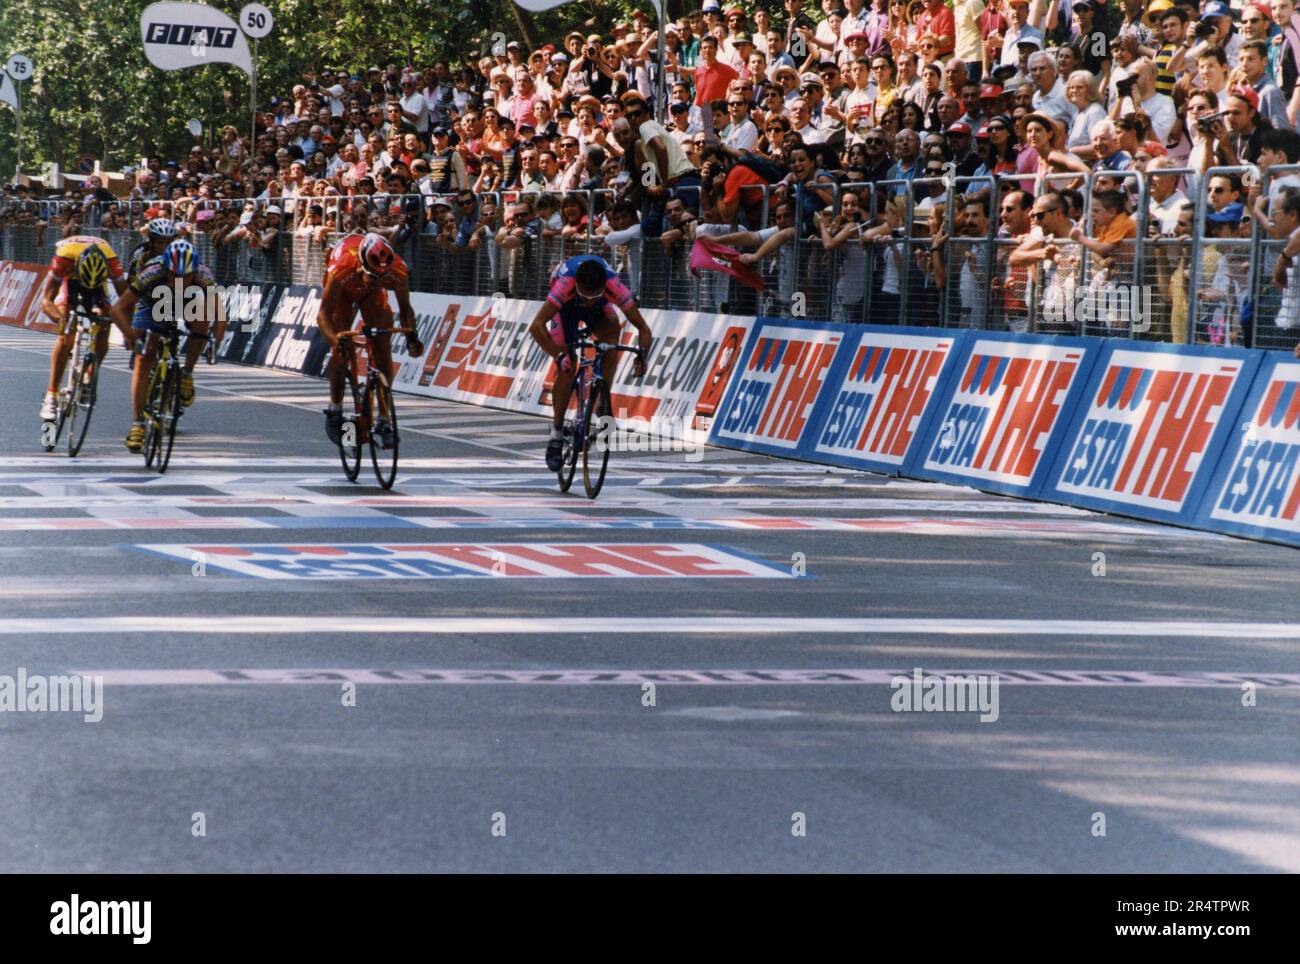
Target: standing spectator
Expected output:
[1083,92]
[1286,276]
[1245,125]
[674,170]
[1166,199]
[712,77]
[1049,91]
[938,22]
[909,163]
[740,133]
[1252,61]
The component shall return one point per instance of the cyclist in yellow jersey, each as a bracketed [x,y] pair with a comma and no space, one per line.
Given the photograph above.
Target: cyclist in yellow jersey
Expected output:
[79,274]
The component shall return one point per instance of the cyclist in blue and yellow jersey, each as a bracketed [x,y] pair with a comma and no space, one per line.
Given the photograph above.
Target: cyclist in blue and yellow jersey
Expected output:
[79,276]
[583,289]
[154,301]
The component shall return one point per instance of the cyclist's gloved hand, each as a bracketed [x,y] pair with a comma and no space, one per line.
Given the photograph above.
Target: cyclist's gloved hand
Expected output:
[638,367]
[414,347]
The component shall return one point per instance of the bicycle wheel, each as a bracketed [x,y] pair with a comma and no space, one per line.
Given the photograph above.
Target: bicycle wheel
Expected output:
[351,432]
[595,451]
[66,395]
[171,415]
[153,406]
[573,438]
[379,399]
[81,401]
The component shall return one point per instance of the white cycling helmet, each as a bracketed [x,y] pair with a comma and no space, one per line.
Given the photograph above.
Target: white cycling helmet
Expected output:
[162,228]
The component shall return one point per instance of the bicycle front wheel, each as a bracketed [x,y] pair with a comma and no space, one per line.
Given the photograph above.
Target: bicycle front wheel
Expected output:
[379,405]
[67,394]
[595,448]
[351,431]
[171,415]
[81,402]
[573,437]
[153,419]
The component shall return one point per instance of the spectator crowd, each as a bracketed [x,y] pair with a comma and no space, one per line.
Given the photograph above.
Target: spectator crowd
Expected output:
[824,142]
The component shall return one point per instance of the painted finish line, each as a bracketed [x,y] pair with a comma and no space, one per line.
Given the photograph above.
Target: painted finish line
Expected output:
[450,561]
[1009,528]
[437,624]
[287,498]
[690,677]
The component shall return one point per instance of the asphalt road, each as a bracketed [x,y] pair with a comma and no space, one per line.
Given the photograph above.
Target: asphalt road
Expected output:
[499,716]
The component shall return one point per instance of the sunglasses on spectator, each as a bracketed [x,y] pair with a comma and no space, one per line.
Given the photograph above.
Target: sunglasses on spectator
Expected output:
[1039,215]
[736,103]
[994,128]
[874,142]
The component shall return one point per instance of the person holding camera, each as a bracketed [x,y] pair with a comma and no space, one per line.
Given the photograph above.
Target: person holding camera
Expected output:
[1137,92]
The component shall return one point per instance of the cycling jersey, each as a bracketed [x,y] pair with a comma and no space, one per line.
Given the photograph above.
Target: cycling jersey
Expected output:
[63,268]
[564,284]
[344,266]
[564,295]
[359,288]
[152,284]
[64,263]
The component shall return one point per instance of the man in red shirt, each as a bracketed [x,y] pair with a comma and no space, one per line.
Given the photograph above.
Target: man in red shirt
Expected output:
[938,21]
[711,75]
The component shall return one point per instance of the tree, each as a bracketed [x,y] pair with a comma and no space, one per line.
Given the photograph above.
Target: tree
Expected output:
[94,92]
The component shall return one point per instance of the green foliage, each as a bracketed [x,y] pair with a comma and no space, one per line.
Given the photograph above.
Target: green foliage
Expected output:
[94,92]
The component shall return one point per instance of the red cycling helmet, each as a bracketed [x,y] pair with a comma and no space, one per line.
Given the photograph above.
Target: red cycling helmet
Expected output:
[376,255]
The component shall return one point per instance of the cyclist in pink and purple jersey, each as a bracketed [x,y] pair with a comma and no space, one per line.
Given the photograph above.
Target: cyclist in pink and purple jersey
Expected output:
[583,289]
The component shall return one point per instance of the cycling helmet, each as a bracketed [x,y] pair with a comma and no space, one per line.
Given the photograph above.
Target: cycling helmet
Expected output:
[92,268]
[180,258]
[162,228]
[376,255]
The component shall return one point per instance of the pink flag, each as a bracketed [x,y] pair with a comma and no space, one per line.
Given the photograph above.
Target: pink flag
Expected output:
[711,256]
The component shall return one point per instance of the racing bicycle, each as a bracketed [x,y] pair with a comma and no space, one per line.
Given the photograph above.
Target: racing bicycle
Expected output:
[372,404]
[162,407]
[76,399]
[591,391]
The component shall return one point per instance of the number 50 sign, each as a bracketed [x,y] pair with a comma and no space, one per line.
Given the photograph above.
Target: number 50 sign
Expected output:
[256,20]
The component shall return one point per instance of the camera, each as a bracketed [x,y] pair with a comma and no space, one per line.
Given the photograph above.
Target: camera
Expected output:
[805,21]
[1125,87]
[1206,124]
[1204,30]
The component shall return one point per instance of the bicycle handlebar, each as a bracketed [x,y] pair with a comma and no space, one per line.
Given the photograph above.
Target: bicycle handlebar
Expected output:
[371,330]
[604,346]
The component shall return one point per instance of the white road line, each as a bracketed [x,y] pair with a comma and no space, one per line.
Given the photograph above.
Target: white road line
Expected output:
[131,518]
[690,677]
[441,625]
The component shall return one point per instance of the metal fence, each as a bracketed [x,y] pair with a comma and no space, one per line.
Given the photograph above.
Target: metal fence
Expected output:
[926,251]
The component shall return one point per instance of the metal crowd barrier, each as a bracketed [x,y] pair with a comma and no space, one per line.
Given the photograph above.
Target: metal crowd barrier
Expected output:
[1194,285]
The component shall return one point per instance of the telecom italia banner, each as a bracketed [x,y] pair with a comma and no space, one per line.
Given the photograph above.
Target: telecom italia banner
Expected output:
[479,350]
